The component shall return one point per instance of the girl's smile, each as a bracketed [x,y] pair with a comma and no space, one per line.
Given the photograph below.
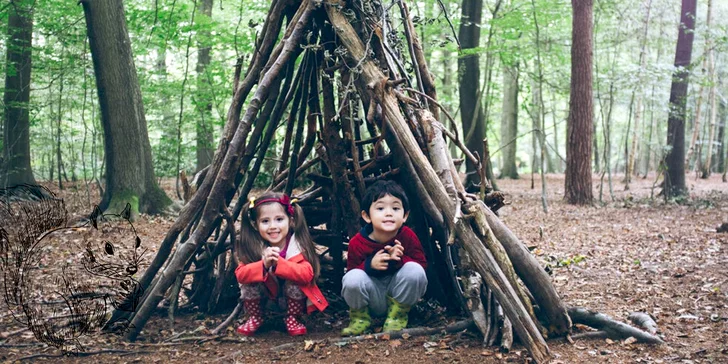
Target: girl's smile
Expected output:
[273,224]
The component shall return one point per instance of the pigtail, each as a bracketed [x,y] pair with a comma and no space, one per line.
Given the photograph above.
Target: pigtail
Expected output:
[249,247]
[304,239]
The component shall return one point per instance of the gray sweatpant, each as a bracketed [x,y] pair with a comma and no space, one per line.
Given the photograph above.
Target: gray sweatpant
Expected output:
[406,286]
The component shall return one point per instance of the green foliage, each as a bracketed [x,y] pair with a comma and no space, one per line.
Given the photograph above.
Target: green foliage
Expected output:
[172,90]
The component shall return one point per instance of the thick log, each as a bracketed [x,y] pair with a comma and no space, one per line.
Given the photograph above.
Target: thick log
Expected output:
[644,321]
[483,260]
[614,329]
[475,304]
[533,276]
[477,212]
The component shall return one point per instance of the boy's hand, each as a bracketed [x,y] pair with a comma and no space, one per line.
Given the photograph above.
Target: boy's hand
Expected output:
[270,256]
[396,251]
[380,261]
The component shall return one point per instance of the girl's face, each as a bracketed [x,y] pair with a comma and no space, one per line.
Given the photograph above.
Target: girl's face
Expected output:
[273,224]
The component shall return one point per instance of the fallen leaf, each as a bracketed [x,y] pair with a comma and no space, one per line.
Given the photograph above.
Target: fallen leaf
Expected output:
[308,345]
[395,343]
[630,340]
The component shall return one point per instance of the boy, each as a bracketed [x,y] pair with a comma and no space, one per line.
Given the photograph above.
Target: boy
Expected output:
[385,264]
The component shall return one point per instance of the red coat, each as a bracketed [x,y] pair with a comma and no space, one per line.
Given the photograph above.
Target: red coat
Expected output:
[362,248]
[295,269]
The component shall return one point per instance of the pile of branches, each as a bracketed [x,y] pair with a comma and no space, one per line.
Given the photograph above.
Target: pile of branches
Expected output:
[338,81]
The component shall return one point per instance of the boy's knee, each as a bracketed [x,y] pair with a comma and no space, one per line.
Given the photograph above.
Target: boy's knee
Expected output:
[415,273]
[355,279]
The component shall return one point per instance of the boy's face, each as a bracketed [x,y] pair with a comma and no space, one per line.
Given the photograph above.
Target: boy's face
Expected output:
[386,214]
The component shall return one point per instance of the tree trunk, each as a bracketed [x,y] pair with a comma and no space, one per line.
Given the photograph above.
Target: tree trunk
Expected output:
[699,104]
[723,116]
[674,184]
[595,145]
[469,82]
[203,99]
[633,152]
[15,167]
[128,156]
[711,76]
[509,121]
[578,185]
[540,115]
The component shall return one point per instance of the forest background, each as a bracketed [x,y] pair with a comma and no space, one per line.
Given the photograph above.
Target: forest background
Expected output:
[185,54]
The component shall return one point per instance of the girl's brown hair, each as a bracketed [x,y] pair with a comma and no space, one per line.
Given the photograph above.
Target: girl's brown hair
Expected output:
[249,248]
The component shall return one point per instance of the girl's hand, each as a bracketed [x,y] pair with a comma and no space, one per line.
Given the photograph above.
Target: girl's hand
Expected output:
[380,261]
[395,251]
[270,256]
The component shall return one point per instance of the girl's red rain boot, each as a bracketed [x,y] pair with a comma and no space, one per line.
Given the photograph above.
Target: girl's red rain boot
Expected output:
[296,308]
[255,317]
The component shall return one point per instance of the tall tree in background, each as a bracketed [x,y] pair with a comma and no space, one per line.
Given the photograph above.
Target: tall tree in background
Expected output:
[469,81]
[674,184]
[722,113]
[15,168]
[699,104]
[639,93]
[203,98]
[578,185]
[705,173]
[509,121]
[128,156]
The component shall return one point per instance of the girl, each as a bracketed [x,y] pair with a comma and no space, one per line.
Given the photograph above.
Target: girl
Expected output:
[277,259]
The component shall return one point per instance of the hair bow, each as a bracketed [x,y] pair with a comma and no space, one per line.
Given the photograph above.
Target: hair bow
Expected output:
[283,200]
[286,201]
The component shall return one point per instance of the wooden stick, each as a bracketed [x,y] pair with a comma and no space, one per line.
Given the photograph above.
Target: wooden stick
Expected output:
[415,331]
[507,335]
[85,353]
[533,276]
[229,319]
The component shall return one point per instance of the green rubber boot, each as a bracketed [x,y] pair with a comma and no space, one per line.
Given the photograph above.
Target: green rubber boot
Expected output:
[397,315]
[359,322]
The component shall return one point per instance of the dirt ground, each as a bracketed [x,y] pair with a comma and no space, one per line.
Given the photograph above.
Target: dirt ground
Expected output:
[629,254]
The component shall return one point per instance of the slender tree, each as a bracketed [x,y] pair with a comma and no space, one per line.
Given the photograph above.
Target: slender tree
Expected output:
[128,156]
[469,81]
[639,93]
[203,98]
[15,168]
[509,121]
[721,136]
[705,173]
[578,185]
[698,106]
[674,184]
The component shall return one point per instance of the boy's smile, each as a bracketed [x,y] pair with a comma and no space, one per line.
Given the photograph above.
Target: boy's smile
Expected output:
[386,216]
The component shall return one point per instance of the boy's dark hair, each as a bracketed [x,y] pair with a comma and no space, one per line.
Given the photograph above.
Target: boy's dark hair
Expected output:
[380,189]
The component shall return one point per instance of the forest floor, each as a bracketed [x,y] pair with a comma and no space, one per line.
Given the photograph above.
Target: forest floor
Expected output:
[633,253]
